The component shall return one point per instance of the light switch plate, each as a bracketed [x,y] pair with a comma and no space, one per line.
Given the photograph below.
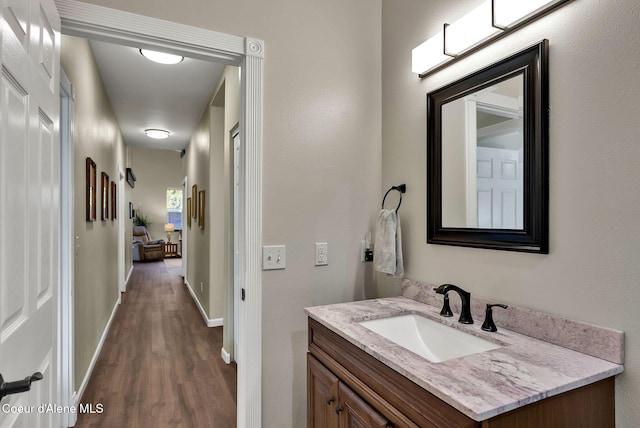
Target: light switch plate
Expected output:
[274,257]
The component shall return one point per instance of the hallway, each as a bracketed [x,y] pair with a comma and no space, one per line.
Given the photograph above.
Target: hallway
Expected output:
[160,365]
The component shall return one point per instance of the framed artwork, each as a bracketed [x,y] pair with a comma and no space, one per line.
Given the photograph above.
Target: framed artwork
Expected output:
[201,209]
[91,190]
[188,212]
[131,213]
[104,215]
[194,200]
[113,200]
[131,177]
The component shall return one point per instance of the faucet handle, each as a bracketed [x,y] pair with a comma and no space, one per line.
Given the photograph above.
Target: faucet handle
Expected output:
[446,309]
[488,324]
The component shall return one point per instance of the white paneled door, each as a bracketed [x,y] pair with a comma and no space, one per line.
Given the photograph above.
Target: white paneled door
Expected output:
[29,206]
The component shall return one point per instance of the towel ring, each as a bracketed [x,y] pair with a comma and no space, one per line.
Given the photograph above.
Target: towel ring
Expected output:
[401,188]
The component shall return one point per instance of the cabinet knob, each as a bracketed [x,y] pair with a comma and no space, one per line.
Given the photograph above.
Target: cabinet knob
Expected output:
[338,410]
[330,400]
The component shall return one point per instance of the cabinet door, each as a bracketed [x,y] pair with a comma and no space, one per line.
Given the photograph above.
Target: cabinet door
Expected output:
[322,395]
[356,413]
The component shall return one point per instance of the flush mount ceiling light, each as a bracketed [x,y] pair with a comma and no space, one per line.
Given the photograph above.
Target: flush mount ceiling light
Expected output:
[161,57]
[157,134]
[484,24]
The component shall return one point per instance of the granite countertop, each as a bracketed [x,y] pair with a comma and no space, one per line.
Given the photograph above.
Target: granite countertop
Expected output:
[482,385]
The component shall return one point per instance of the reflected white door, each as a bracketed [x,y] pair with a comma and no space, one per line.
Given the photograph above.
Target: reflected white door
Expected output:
[29,204]
[499,188]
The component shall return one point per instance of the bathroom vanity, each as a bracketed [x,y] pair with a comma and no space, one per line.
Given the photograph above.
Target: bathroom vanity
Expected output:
[357,378]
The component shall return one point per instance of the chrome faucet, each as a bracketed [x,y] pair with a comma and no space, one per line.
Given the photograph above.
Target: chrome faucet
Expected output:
[465,297]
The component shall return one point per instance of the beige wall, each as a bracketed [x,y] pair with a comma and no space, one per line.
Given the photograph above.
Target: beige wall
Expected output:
[155,171]
[454,155]
[322,160]
[226,103]
[196,166]
[207,165]
[96,134]
[591,273]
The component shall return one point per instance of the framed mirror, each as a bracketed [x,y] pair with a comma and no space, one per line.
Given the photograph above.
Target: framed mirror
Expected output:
[487,156]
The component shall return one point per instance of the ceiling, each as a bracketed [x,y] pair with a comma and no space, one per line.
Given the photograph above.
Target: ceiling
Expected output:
[145,94]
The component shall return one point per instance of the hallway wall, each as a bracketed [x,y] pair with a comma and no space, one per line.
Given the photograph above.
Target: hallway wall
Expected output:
[226,98]
[96,134]
[196,164]
[322,157]
[591,272]
[155,170]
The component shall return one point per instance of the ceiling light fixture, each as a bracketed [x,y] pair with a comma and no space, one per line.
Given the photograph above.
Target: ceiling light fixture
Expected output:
[484,24]
[161,57]
[157,134]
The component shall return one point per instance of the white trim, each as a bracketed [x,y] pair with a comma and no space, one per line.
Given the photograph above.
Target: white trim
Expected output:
[226,357]
[210,322]
[112,25]
[122,283]
[250,328]
[85,381]
[96,22]
[65,339]
[126,281]
[184,253]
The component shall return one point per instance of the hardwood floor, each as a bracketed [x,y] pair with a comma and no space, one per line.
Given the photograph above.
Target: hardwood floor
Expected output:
[160,365]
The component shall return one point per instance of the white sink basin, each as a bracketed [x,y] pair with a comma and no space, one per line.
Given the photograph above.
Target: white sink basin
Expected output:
[434,341]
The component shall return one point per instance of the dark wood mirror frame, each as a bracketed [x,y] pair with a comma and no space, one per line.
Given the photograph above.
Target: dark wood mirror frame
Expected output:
[534,236]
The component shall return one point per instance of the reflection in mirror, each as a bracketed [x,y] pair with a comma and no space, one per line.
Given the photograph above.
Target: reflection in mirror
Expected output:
[487,161]
[482,147]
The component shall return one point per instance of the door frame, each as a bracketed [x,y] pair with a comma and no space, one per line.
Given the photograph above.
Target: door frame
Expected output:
[238,236]
[65,338]
[122,277]
[115,26]
[184,253]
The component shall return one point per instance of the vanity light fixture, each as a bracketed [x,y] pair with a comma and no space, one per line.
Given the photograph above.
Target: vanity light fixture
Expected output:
[157,134]
[161,57]
[484,24]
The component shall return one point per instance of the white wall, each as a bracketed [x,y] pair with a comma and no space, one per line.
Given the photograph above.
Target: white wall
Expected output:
[592,271]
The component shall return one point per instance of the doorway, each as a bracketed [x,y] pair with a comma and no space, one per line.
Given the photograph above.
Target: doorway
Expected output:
[89,21]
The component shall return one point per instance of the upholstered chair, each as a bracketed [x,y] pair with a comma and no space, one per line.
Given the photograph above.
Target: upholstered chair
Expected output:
[145,248]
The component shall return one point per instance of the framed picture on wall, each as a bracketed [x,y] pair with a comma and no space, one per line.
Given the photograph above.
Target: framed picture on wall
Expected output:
[201,209]
[91,190]
[189,212]
[113,200]
[104,215]
[131,212]
[194,200]
[131,178]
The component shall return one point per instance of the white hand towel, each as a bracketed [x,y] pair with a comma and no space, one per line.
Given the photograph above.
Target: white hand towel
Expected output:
[387,253]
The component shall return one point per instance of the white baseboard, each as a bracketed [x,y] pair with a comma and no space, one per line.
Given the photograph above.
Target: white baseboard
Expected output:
[215,322]
[226,357]
[126,281]
[78,395]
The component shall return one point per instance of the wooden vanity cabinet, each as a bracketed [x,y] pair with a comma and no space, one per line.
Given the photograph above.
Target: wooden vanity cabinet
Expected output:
[332,404]
[346,387]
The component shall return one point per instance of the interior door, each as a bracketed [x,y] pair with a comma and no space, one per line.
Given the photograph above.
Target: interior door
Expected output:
[29,206]
[500,188]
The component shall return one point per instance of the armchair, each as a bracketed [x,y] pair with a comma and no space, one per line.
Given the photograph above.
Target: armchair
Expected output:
[144,248]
